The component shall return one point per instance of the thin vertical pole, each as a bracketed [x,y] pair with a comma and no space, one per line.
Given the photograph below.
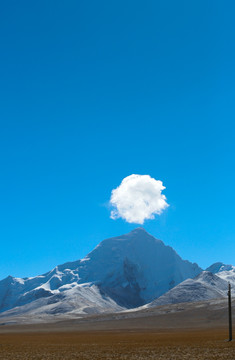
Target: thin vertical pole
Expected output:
[230,313]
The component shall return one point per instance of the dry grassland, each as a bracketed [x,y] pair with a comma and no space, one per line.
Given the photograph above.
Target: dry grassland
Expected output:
[128,345]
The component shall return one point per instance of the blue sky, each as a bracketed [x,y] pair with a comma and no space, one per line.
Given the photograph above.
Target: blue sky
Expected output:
[92,92]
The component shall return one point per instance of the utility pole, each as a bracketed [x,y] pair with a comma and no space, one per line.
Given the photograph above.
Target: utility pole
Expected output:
[230,313]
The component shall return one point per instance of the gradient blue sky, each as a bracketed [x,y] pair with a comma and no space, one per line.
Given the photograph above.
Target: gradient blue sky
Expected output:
[92,92]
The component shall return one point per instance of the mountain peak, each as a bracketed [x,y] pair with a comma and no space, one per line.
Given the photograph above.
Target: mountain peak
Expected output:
[206,276]
[139,229]
[219,267]
[129,270]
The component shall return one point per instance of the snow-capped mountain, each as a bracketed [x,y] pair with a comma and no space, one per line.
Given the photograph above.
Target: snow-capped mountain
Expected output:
[219,267]
[209,284]
[121,272]
[225,272]
[74,299]
[205,286]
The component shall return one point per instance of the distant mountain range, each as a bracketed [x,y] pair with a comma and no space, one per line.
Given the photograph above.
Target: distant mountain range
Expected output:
[205,286]
[123,272]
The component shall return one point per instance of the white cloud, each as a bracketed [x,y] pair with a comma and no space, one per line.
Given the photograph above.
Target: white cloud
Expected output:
[138,198]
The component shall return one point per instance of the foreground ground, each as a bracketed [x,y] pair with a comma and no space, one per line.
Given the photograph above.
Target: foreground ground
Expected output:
[193,331]
[132,345]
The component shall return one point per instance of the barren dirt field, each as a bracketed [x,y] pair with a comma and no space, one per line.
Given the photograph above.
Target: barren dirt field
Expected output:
[167,345]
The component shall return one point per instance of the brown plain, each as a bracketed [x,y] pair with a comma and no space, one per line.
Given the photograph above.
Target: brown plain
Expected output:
[177,332]
[168,345]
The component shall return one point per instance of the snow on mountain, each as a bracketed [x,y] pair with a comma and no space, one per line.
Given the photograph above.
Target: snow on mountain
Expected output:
[225,272]
[135,268]
[228,275]
[82,299]
[121,272]
[219,267]
[205,286]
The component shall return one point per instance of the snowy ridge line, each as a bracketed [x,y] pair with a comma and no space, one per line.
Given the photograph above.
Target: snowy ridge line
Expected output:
[123,272]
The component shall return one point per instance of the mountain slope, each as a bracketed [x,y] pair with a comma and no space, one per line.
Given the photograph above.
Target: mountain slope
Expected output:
[127,271]
[135,264]
[82,299]
[225,272]
[205,286]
